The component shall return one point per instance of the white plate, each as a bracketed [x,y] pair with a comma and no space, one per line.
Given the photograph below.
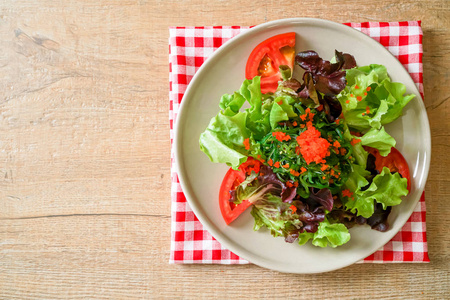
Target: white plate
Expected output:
[200,179]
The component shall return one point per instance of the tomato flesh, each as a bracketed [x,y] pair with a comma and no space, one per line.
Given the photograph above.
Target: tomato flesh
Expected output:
[266,67]
[268,56]
[394,161]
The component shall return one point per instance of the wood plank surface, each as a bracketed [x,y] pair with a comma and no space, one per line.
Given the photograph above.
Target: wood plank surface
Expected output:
[85,163]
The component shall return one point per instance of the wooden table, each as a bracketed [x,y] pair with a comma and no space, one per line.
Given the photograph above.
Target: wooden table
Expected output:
[84,153]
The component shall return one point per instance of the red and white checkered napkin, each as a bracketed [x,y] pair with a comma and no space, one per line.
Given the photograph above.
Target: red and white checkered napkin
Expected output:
[189,47]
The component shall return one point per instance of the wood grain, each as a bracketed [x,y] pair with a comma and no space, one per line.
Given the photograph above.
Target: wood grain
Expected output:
[85,164]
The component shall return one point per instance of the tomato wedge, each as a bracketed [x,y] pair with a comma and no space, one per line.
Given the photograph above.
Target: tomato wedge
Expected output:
[394,161]
[268,56]
[229,210]
[232,179]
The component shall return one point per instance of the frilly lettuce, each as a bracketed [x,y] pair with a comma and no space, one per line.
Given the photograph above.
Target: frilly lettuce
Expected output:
[386,189]
[223,140]
[328,234]
[370,88]
[369,101]
[379,139]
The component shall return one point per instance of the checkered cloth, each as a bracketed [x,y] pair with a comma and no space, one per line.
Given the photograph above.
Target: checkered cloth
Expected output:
[189,47]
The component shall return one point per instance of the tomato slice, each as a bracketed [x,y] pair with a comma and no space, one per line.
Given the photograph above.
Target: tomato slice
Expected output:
[232,179]
[394,161]
[268,56]
[229,210]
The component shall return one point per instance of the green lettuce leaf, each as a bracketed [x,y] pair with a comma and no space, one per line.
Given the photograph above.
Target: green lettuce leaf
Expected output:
[360,204]
[386,189]
[390,188]
[277,114]
[366,75]
[393,92]
[379,139]
[357,149]
[328,234]
[223,139]
[257,117]
[369,88]
[357,178]
[304,237]
[231,104]
[281,110]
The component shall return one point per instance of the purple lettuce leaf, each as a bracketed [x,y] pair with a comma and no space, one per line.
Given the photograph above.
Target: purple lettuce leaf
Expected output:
[331,84]
[349,61]
[310,219]
[331,106]
[329,78]
[343,216]
[309,213]
[322,197]
[309,90]
[378,220]
[311,62]
[261,186]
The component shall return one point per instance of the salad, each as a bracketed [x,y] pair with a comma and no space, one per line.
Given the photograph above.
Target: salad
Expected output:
[310,156]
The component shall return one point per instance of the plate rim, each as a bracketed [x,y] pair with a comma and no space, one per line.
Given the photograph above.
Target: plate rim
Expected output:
[236,248]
